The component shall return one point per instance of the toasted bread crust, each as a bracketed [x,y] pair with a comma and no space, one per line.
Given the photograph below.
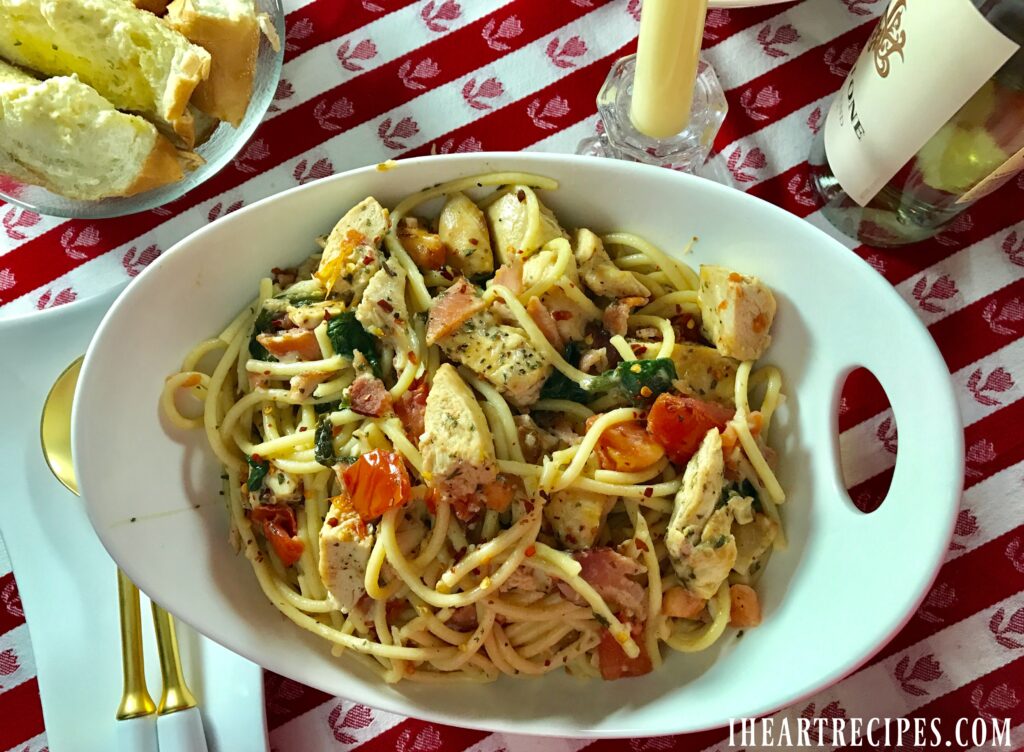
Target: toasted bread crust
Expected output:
[161,167]
[156,7]
[193,68]
[232,44]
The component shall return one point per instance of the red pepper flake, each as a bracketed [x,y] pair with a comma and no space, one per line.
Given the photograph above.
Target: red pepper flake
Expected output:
[367,259]
[521,195]
[332,521]
[445,272]
[386,305]
[530,550]
[303,428]
[561,315]
[256,458]
[413,359]
[474,241]
[638,349]
[640,545]
[648,492]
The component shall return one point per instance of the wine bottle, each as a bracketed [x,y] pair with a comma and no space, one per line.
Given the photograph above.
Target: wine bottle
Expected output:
[929,120]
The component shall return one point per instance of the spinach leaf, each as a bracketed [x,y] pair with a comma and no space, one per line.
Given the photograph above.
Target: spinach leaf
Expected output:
[638,380]
[645,379]
[324,445]
[303,293]
[747,489]
[560,386]
[257,472]
[347,335]
[330,407]
[261,326]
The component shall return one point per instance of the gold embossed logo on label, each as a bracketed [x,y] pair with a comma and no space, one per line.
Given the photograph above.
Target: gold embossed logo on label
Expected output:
[889,38]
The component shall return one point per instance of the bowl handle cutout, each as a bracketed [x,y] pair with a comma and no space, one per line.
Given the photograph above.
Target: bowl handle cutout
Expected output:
[905,486]
[867,453]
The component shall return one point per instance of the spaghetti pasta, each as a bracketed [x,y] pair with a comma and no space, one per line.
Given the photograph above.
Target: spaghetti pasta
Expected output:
[453,478]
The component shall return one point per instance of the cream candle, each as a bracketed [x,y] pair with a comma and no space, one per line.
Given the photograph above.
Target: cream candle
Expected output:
[668,51]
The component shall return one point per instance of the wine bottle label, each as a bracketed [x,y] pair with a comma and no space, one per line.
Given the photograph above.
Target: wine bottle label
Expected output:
[925,59]
[999,177]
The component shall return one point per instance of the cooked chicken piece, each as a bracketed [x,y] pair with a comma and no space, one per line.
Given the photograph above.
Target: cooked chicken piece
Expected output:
[311,315]
[410,530]
[752,542]
[736,312]
[383,311]
[501,354]
[352,253]
[463,231]
[458,451]
[285,488]
[600,273]
[345,545]
[569,319]
[425,248]
[697,554]
[520,224]
[302,385]
[707,563]
[576,516]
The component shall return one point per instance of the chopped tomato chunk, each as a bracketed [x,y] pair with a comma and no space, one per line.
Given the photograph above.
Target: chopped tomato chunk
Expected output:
[626,447]
[498,494]
[679,424]
[680,603]
[279,528]
[377,482]
[745,608]
[614,662]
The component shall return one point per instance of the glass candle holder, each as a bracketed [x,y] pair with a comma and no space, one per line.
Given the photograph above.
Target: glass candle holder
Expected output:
[621,139]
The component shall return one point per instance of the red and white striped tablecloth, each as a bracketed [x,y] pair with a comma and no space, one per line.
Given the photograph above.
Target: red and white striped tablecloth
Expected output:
[368,80]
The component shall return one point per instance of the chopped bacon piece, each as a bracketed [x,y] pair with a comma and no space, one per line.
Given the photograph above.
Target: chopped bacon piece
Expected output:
[369,396]
[297,341]
[616,317]
[510,275]
[411,408]
[545,322]
[614,662]
[608,572]
[279,528]
[452,308]
[594,361]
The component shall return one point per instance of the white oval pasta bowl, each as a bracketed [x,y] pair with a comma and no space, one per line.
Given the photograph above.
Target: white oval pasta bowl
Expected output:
[845,586]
